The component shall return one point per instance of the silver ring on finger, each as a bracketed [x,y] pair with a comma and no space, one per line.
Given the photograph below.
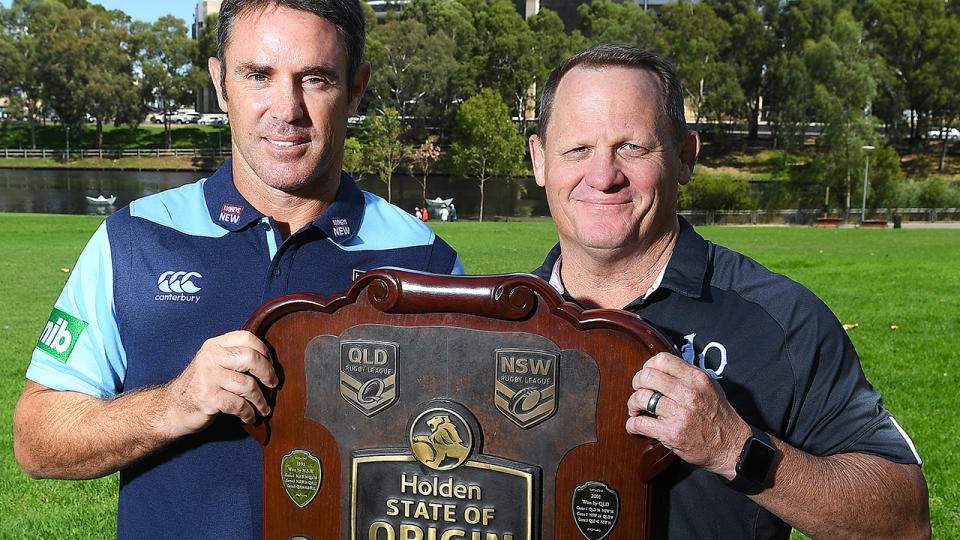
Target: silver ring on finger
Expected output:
[652,403]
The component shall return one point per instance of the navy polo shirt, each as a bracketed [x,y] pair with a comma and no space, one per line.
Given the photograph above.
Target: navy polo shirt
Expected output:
[174,269]
[785,364]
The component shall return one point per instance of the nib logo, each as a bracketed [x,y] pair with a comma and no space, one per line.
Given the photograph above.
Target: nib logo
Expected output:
[60,335]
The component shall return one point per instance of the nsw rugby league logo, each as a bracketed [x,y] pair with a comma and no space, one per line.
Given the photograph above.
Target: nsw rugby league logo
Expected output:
[526,385]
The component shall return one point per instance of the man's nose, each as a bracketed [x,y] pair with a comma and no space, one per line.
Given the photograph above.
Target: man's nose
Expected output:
[604,173]
[287,102]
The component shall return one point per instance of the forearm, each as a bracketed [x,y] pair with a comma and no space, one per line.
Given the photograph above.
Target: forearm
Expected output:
[848,496]
[70,435]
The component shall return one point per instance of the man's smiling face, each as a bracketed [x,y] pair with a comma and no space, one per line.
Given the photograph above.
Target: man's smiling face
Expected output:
[286,89]
[610,170]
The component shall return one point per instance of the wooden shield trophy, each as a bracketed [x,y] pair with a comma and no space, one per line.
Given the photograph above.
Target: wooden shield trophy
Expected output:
[424,407]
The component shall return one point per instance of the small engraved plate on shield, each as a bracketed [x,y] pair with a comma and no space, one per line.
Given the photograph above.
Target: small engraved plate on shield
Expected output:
[300,472]
[596,507]
[369,374]
[526,385]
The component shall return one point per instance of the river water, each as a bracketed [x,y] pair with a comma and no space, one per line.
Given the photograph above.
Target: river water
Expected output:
[61,191]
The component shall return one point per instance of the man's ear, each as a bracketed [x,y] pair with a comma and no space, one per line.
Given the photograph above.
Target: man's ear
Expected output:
[688,157]
[536,157]
[214,66]
[360,80]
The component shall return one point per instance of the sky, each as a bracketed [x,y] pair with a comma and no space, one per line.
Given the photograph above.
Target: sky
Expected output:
[147,11]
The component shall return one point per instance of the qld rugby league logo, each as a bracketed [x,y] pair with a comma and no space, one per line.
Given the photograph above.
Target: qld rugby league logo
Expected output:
[369,374]
[526,385]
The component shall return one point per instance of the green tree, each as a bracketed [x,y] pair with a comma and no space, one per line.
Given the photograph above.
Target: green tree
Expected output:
[604,21]
[692,36]
[166,57]
[412,68]
[21,45]
[551,45]
[502,56]
[842,66]
[485,141]
[885,177]
[453,19]
[941,77]
[383,148]
[789,96]
[901,31]
[425,156]
[746,56]
[88,67]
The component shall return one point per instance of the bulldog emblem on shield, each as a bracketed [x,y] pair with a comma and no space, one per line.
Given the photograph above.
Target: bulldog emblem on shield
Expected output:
[368,374]
[526,385]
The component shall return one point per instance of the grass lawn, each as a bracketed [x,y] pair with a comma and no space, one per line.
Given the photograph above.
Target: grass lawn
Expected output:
[899,286]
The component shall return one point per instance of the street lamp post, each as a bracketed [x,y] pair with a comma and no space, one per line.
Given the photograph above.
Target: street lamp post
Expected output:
[866,172]
[68,143]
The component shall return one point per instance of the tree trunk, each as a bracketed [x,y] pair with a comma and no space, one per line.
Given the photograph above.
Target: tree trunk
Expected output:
[166,132]
[943,152]
[482,180]
[754,122]
[99,133]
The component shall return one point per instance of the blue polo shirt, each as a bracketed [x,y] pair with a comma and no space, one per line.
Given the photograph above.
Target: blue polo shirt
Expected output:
[785,364]
[174,269]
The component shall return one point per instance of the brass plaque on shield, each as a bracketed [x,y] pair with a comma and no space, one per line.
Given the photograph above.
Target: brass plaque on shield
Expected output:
[442,485]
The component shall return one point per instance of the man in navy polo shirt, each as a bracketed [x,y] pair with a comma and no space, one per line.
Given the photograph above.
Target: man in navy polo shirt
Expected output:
[766,405]
[140,367]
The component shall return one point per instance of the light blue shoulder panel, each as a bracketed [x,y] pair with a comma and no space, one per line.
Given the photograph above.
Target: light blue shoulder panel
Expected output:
[385,226]
[183,209]
[91,356]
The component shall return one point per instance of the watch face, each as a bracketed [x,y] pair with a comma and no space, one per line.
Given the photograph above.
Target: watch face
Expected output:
[755,460]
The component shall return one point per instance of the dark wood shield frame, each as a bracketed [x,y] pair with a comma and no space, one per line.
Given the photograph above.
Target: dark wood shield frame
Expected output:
[359,371]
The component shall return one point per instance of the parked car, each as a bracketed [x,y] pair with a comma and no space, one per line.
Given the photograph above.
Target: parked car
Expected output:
[179,117]
[953,134]
[213,120]
[188,117]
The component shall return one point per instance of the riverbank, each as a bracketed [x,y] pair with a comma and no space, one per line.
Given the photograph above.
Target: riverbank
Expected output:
[167,163]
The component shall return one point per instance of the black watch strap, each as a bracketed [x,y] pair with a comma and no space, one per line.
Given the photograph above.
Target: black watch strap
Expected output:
[754,463]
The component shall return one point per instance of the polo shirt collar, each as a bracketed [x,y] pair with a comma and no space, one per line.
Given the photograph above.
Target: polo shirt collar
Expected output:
[228,209]
[341,221]
[687,268]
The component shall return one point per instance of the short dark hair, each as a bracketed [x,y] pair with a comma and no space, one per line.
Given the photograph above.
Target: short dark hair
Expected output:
[610,55]
[346,15]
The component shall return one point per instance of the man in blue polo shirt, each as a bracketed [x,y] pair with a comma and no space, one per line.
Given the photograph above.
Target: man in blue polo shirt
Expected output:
[766,404]
[140,367]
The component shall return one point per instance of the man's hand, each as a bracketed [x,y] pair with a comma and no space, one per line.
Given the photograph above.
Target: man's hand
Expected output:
[224,377]
[693,417]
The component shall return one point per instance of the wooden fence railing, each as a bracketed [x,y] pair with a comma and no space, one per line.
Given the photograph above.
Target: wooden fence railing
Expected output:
[111,153]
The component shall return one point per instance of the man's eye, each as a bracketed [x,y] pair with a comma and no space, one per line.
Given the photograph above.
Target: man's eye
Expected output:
[258,77]
[577,151]
[317,81]
[631,149]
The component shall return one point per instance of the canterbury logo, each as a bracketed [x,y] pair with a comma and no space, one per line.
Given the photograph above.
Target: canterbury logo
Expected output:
[178,282]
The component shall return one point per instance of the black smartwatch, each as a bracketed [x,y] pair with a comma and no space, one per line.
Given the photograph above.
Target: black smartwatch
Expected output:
[754,463]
